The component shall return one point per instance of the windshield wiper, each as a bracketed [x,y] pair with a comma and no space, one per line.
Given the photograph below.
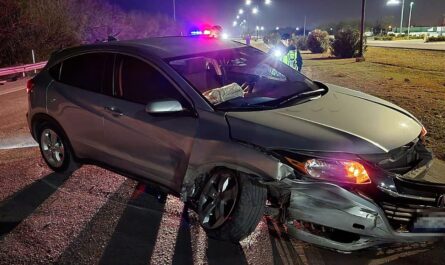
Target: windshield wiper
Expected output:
[302,95]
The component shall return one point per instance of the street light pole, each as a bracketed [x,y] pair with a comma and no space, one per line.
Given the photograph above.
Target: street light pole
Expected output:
[174,10]
[304,27]
[362,31]
[401,17]
[409,20]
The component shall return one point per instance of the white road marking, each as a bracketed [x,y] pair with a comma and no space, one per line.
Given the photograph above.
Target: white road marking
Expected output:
[12,90]
[21,141]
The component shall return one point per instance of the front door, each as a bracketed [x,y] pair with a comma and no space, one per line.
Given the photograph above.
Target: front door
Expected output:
[156,147]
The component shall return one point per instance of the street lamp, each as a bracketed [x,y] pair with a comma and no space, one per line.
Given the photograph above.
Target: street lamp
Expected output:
[255,10]
[235,23]
[268,2]
[174,10]
[241,11]
[248,2]
[409,20]
[397,2]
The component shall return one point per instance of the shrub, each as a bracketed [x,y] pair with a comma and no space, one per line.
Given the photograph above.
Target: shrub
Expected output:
[301,43]
[318,41]
[272,38]
[383,38]
[346,43]
[434,39]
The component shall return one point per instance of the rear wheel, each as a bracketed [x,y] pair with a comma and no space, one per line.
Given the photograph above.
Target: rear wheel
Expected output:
[230,205]
[55,149]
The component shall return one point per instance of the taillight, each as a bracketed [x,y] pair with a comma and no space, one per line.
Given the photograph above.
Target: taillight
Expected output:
[29,86]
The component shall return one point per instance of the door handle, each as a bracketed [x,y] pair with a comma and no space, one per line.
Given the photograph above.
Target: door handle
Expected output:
[114,111]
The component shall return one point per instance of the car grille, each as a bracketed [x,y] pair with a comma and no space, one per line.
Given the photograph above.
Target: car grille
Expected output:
[402,216]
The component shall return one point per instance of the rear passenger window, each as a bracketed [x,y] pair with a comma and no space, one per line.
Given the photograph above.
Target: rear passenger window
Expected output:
[85,71]
[141,83]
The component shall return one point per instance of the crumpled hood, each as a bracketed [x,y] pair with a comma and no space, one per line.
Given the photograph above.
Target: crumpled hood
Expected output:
[343,120]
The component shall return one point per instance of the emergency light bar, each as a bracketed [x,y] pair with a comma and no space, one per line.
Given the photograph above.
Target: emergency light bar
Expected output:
[212,32]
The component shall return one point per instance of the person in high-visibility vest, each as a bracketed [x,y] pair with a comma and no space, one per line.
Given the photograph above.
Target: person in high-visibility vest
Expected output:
[292,55]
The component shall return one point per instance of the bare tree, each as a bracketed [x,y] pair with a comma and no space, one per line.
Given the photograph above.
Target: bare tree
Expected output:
[47,25]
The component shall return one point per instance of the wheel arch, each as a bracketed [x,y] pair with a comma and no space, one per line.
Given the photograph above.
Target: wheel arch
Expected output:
[195,177]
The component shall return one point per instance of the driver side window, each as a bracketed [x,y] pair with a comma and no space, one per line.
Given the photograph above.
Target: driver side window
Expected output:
[139,82]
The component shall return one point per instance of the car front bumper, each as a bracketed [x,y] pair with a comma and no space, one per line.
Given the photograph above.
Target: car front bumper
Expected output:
[335,217]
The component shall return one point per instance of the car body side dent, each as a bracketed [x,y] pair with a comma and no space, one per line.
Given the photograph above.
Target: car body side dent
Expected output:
[213,147]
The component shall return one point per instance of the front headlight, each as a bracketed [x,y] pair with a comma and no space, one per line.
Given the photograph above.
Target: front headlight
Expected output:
[344,171]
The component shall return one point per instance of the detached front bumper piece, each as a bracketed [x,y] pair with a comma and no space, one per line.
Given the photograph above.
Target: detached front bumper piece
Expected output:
[333,217]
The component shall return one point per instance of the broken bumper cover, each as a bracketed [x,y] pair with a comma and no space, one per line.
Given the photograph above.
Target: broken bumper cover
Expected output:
[333,217]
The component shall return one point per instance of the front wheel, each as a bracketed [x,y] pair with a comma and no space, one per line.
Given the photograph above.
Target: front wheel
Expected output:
[230,205]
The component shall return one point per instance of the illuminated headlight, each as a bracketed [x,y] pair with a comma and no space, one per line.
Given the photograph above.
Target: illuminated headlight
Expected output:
[344,171]
[225,36]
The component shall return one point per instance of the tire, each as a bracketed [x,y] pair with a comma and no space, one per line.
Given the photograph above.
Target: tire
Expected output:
[64,162]
[247,210]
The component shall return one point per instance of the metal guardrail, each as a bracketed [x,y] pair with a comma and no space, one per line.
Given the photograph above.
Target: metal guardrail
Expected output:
[21,69]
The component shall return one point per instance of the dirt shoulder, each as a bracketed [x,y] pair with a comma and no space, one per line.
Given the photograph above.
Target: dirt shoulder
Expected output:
[13,106]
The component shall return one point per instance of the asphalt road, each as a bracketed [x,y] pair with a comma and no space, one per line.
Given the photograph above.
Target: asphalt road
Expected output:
[408,44]
[97,217]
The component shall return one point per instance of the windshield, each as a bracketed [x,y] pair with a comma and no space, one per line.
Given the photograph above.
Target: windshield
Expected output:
[243,78]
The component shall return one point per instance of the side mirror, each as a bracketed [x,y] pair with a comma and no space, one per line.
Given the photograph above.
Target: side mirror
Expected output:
[163,106]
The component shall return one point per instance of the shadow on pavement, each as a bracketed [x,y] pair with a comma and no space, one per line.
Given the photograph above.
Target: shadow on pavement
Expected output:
[89,245]
[134,238]
[23,203]
[225,253]
[283,250]
[183,247]
[218,252]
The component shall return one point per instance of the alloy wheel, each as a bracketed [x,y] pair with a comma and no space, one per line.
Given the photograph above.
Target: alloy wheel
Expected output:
[218,199]
[52,148]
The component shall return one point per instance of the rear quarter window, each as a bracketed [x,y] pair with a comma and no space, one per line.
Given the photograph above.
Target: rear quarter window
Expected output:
[54,71]
[84,71]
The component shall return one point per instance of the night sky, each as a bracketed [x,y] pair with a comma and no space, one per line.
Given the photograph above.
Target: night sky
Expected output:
[290,12]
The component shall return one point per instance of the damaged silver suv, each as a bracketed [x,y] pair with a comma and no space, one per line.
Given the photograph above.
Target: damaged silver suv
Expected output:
[231,131]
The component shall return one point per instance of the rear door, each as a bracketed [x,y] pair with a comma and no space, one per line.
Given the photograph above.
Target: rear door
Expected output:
[75,98]
[157,147]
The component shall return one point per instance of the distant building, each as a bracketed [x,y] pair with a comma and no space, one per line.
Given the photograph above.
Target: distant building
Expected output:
[419,31]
